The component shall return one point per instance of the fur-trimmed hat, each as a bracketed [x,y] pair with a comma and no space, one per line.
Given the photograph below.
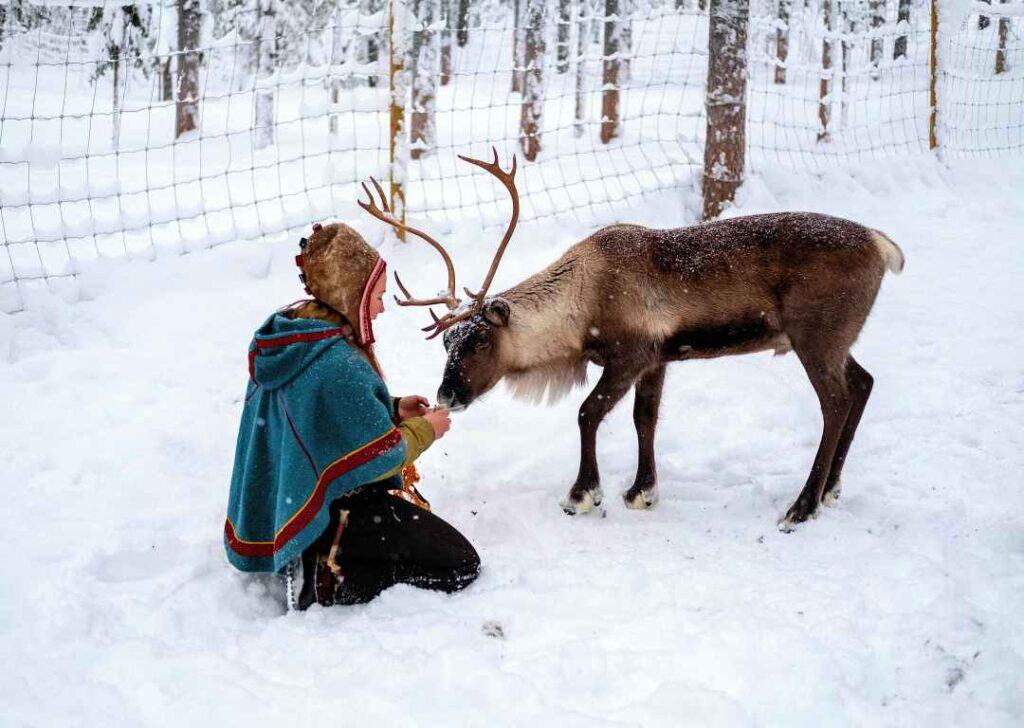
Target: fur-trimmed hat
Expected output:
[340,270]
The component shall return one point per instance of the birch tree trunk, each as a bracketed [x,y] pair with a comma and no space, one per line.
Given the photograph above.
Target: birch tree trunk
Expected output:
[877,44]
[518,60]
[533,79]
[902,16]
[563,35]
[186,113]
[266,57]
[582,38]
[422,129]
[782,42]
[371,41]
[725,104]
[1004,32]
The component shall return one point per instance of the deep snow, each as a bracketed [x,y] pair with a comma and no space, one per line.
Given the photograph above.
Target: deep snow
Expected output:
[901,606]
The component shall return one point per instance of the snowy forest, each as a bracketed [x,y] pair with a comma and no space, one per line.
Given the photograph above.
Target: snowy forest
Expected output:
[184,124]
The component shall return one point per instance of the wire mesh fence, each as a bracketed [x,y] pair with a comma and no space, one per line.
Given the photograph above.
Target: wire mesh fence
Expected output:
[174,126]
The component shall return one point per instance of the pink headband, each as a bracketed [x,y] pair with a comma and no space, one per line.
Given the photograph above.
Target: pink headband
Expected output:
[365,324]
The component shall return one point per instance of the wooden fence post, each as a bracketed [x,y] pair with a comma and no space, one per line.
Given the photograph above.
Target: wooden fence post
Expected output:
[398,84]
[725,103]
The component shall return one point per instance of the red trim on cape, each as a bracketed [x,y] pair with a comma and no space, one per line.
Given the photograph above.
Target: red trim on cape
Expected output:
[312,506]
[306,336]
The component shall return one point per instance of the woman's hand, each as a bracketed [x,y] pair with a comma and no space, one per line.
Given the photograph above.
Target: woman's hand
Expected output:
[412,406]
[440,420]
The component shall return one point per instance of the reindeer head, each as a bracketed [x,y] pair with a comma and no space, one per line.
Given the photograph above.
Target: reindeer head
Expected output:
[473,332]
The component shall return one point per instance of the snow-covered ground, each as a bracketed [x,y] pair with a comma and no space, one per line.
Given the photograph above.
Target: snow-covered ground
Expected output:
[901,606]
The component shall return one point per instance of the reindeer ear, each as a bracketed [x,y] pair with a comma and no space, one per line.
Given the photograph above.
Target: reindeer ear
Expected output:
[496,312]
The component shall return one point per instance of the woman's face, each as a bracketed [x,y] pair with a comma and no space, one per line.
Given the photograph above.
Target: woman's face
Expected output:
[377,297]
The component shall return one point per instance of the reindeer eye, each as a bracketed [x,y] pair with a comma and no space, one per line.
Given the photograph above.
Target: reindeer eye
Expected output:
[483,345]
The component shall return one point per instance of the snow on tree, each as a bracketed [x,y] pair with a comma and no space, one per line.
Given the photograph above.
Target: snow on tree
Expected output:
[725,103]
[782,41]
[448,14]
[533,78]
[188,59]
[582,34]
[266,67]
[518,47]
[610,73]
[462,23]
[424,60]
[562,35]
[825,84]
[902,20]
[127,46]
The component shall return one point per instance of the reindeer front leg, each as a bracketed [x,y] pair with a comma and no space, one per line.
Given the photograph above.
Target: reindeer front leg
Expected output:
[586,491]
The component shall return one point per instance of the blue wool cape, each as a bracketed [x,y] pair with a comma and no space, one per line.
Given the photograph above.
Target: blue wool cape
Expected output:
[317,423]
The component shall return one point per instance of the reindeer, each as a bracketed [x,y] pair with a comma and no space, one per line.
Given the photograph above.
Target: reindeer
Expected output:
[632,299]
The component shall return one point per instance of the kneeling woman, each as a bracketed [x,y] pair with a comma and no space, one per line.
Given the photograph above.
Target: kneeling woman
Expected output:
[323,485]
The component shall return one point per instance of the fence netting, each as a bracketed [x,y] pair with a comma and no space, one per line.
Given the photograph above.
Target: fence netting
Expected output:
[167,127]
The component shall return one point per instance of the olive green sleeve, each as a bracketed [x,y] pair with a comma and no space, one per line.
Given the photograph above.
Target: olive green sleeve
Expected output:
[418,435]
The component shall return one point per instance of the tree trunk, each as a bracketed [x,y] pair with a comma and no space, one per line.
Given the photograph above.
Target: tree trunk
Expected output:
[167,80]
[371,47]
[115,118]
[877,44]
[446,41]
[847,26]
[563,35]
[518,60]
[725,103]
[582,34]
[902,16]
[825,85]
[610,73]
[186,117]
[625,40]
[336,82]
[533,79]
[422,131]
[266,58]
[462,23]
[782,42]
[1004,32]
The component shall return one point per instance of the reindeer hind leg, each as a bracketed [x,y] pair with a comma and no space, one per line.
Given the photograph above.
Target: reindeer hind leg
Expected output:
[860,383]
[644,492]
[828,377]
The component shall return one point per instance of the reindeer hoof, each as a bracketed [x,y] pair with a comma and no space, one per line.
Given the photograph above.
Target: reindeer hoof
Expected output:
[830,498]
[641,500]
[589,500]
[798,513]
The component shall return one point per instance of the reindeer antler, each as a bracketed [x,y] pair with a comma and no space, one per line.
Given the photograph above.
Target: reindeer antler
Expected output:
[507,179]
[451,300]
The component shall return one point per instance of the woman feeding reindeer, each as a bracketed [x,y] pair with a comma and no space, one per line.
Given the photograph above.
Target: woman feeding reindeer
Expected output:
[323,484]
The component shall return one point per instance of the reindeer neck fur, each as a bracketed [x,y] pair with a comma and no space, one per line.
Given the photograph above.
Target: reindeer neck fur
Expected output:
[543,351]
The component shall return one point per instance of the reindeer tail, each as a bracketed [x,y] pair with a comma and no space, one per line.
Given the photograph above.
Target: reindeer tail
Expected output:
[891,254]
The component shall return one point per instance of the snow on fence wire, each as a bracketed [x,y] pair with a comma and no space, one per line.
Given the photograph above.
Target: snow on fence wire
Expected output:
[180,124]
